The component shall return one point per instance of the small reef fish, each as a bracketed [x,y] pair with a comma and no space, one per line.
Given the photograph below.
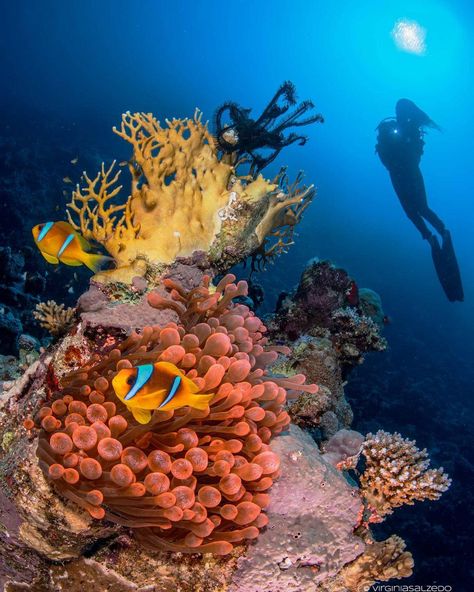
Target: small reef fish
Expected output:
[59,242]
[352,294]
[123,163]
[67,180]
[75,160]
[156,386]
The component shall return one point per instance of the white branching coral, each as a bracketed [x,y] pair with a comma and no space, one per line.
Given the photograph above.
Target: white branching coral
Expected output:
[398,473]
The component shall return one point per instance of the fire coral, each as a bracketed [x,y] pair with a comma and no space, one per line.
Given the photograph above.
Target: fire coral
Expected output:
[183,199]
[190,480]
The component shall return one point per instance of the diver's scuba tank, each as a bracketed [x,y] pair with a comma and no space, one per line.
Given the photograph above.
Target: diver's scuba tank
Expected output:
[398,147]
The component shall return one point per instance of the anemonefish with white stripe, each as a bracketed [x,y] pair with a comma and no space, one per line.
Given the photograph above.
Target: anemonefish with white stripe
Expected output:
[156,386]
[59,242]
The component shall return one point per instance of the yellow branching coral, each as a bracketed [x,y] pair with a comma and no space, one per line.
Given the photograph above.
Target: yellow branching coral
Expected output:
[183,199]
[178,187]
[381,561]
[99,219]
[397,473]
[54,317]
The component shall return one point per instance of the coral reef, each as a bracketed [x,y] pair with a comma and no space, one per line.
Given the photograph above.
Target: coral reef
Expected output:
[310,541]
[370,304]
[327,411]
[316,514]
[189,480]
[183,200]
[54,317]
[321,291]
[88,494]
[12,367]
[116,309]
[327,304]
[353,335]
[397,473]
[324,321]
[20,288]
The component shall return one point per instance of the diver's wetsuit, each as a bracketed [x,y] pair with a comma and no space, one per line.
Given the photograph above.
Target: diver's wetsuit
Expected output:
[400,150]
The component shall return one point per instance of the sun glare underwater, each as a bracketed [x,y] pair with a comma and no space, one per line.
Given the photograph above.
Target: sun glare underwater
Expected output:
[409,36]
[236,284]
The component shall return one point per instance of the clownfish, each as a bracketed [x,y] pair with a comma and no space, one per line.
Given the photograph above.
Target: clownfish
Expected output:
[59,242]
[156,386]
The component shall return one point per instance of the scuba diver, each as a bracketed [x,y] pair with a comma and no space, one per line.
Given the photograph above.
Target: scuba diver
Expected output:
[400,147]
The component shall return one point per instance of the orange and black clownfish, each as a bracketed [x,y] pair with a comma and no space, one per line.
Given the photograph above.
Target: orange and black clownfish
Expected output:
[59,242]
[156,386]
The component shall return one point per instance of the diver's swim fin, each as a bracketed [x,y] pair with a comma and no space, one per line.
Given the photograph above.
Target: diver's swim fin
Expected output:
[447,269]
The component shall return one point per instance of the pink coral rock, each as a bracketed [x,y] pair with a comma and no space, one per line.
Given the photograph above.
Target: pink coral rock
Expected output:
[312,516]
[343,449]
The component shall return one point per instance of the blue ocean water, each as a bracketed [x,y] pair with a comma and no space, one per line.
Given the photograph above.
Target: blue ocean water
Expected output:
[69,69]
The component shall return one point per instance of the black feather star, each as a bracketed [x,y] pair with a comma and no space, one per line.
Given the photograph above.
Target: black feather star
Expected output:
[238,134]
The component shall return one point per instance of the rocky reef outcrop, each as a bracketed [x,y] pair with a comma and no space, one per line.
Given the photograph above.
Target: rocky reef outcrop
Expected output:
[331,325]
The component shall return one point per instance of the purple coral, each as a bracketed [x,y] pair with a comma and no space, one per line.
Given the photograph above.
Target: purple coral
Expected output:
[321,291]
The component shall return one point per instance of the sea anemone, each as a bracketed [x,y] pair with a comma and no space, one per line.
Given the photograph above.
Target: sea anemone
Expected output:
[190,480]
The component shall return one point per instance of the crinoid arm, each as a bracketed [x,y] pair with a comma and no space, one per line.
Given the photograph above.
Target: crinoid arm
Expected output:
[248,136]
[292,119]
[272,111]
